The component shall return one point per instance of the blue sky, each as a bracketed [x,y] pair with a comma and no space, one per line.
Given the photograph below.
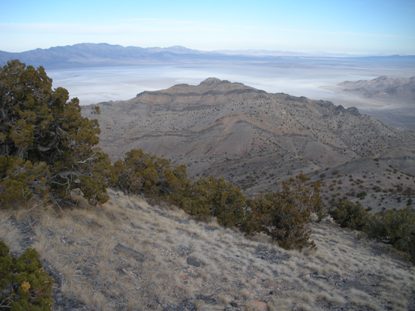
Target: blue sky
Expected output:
[318,26]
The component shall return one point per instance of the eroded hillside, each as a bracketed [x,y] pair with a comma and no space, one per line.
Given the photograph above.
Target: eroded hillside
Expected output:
[251,137]
[130,255]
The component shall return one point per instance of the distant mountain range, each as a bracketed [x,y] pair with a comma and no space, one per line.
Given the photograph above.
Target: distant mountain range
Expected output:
[103,54]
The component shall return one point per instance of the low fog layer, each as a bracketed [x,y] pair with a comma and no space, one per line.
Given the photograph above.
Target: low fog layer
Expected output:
[312,79]
[316,79]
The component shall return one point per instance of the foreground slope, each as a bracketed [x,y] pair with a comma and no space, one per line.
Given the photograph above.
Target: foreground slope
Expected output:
[244,134]
[131,255]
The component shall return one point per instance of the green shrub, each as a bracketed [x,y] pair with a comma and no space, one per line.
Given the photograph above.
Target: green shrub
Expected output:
[350,215]
[140,172]
[280,219]
[395,227]
[24,285]
[285,215]
[218,198]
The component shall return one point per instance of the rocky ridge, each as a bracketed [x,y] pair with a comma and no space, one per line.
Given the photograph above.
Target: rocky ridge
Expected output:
[249,136]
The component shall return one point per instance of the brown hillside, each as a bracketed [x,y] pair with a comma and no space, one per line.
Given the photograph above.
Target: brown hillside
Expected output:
[129,255]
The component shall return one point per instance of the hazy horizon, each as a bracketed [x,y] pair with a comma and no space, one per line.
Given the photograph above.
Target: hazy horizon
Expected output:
[247,51]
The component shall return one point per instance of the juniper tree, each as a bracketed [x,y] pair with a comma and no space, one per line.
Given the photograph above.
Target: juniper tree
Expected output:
[41,125]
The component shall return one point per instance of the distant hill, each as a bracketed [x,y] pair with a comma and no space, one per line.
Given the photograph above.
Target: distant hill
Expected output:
[395,94]
[251,137]
[103,54]
[383,88]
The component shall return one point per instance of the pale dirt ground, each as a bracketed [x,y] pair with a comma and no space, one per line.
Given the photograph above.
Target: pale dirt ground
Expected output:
[129,255]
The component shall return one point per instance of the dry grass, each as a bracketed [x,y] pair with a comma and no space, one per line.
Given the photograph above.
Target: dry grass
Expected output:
[128,255]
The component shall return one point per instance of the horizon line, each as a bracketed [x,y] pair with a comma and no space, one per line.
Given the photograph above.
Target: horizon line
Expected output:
[249,52]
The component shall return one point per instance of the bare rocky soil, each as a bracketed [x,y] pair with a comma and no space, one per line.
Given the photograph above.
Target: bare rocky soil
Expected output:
[130,255]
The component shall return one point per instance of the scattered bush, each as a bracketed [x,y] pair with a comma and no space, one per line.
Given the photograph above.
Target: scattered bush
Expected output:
[24,285]
[220,199]
[155,177]
[285,215]
[350,215]
[282,215]
[142,173]
[280,219]
[395,227]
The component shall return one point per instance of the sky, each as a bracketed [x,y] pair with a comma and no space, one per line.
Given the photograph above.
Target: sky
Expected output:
[316,26]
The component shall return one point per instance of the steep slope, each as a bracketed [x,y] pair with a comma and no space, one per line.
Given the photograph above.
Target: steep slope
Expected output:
[131,255]
[247,135]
